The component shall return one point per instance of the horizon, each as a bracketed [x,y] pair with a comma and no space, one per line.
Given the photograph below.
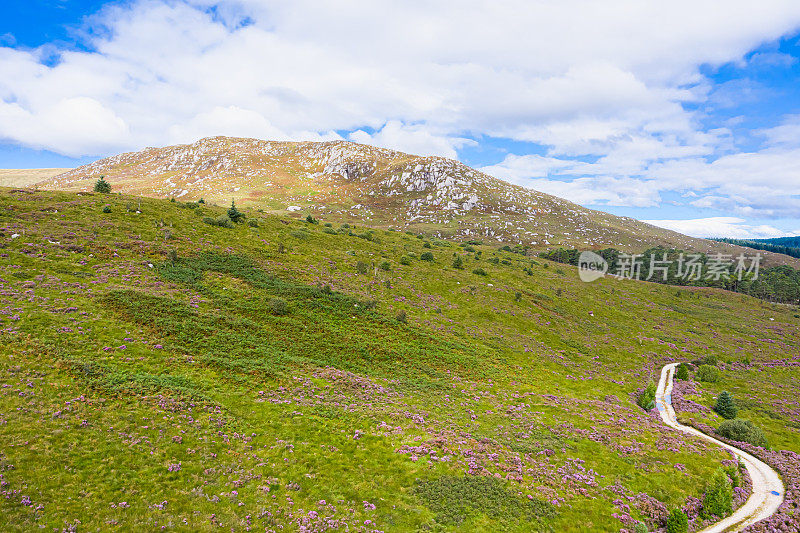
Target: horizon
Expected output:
[695,129]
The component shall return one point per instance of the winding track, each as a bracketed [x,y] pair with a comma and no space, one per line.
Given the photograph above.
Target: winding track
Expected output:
[768,488]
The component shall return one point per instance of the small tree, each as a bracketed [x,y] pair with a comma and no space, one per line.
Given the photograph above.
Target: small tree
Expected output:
[677,522]
[102,186]
[718,499]
[458,263]
[682,372]
[426,256]
[726,406]
[234,214]
[311,220]
[647,398]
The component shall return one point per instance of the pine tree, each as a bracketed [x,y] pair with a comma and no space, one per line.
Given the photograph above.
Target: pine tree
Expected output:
[726,407]
[458,263]
[102,186]
[234,214]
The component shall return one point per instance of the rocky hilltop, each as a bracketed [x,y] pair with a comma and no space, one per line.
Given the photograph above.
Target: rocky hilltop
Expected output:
[343,181]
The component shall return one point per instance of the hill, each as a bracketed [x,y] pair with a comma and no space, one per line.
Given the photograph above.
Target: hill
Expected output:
[348,182]
[158,371]
[23,177]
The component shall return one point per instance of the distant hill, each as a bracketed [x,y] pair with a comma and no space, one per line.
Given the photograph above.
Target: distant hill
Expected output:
[23,177]
[344,181]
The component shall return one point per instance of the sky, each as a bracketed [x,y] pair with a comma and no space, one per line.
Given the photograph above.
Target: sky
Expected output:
[685,114]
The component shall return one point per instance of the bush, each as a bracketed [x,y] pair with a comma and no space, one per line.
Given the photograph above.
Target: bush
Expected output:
[223,221]
[677,522]
[647,398]
[201,201]
[106,209]
[458,263]
[726,406]
[426,245]
[234,214]
[708,373]
[329,231]
[640,528]
[426,256]
[311,220]
[743,431]
[402,317]
[682,372]
[718,499]
[328,225]
[385,266]
[253,223]
[278,306]
[479,271]
[102,186]
[362,267]
[405,260]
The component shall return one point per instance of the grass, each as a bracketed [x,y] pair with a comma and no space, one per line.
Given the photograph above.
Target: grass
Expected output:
[119,360]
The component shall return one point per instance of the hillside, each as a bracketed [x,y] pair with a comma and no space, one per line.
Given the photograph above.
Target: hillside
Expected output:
[348,182]
[23,177]
[158,372]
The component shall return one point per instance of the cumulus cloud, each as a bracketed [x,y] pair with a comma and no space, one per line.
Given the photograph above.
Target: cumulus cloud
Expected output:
[732,227]
[607,90]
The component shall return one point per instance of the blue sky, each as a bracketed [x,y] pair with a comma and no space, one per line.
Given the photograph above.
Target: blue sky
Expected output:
[675,113]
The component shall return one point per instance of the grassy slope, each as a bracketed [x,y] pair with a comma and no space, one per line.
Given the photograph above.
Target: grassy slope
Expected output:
[112,371]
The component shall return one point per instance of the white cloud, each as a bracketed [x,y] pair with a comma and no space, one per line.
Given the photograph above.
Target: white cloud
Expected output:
[732,227]
[564,73]
[603,87]
[413,139]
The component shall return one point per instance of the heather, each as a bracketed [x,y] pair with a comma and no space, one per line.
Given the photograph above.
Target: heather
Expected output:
[157,371]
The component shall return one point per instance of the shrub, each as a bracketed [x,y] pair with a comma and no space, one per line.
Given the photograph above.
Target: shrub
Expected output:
[517,296]
[102,186]
[401,317]
[494,260]
[677,522]
[224,221]
[682,372]
[362,267]
[329,231]
[647,398]
[201,201]
[328,225]
[253,223]
[106,209]
[726,406]
[311,220]
[640,528]
[405,260]
[426,256]
[278,306]
[479,271]
[234,214]
[385,266]
[458,263]
[708,373]
[718,499]
[742,430]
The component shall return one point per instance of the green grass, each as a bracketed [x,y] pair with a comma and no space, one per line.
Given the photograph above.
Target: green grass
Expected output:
[119,359]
